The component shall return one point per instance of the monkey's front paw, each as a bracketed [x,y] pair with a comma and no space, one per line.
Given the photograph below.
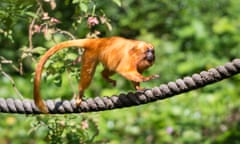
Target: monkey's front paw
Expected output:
[151,77]
[155,76]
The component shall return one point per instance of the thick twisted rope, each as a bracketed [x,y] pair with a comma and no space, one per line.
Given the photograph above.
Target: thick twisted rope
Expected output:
[126,100]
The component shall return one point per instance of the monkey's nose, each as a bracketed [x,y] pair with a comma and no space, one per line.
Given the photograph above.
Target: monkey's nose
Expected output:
[150,57]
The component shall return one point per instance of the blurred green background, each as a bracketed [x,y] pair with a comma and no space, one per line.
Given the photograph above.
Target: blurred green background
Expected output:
[188,35]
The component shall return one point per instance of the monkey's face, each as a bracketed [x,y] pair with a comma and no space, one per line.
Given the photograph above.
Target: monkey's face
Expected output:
[150,55]
[147,59]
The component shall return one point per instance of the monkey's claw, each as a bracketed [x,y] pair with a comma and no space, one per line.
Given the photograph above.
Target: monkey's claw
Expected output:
[140,89]
[78,101]
[151,77]
[155,76]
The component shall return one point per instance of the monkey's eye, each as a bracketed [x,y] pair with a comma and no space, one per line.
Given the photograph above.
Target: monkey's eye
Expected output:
[150,50]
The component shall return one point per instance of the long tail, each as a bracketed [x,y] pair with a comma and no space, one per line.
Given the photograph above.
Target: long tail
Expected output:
[80,43]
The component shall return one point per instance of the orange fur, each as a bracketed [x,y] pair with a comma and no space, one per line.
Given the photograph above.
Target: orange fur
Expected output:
[127,57]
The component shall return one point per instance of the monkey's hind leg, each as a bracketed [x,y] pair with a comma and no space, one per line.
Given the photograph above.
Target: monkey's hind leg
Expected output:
[106,73]
[87,71]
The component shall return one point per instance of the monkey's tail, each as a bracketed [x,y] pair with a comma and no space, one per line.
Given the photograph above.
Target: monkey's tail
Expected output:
[80,43]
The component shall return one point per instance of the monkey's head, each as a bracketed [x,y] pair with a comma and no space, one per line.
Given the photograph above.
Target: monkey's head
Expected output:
[146,56]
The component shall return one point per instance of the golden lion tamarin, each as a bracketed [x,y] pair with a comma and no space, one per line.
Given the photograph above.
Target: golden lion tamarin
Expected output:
[127,57]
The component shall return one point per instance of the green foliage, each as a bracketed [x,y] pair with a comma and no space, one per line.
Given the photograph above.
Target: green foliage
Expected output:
[189,36]
[10,12]
[67,129]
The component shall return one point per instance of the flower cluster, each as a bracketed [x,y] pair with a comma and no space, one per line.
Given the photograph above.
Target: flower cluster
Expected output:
[46,25]
[92,21]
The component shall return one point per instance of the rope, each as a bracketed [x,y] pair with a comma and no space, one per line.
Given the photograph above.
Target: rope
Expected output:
[170,89]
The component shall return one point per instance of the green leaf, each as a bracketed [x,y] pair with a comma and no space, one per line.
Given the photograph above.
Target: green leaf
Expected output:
[83,7]
[224,25]
[39,50]
[31,14]
[118,2]
[71,56]
[3,13]
[58,64]
[55,78]
[75,1]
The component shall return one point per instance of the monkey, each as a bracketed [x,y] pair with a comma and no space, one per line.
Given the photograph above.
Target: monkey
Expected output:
[127,57]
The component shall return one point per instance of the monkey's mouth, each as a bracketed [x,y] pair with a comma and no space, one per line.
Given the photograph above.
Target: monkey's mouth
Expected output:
[150,58]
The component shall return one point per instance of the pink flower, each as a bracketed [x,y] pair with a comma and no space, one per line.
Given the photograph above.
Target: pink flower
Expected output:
[170,130]
[54,20]
[92,21]
[36,29]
